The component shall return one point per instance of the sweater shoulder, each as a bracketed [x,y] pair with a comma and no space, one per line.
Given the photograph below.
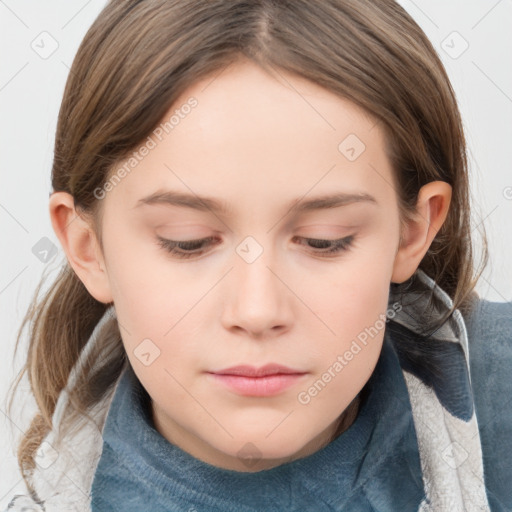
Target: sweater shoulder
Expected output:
[489,329]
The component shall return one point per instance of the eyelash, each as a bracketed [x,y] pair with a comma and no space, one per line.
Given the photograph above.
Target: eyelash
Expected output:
[339,245]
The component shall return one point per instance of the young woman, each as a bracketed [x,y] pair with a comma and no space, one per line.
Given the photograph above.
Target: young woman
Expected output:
[268,300]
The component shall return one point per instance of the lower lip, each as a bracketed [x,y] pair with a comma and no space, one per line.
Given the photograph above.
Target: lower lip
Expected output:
[259,386]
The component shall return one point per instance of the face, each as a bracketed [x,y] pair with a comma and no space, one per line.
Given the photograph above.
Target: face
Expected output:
[261,272]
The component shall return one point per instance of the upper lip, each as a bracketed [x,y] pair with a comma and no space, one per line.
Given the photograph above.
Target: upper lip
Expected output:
[252,371]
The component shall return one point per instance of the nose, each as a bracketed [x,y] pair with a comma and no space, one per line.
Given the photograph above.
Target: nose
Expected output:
[257,299]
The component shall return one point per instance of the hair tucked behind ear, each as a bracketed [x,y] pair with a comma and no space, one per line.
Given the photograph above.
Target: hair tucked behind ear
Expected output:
[138,57]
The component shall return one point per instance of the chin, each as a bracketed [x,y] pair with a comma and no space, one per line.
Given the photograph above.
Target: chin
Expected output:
[257,447]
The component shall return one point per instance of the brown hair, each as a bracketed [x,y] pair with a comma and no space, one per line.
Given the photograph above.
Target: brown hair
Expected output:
[139,56]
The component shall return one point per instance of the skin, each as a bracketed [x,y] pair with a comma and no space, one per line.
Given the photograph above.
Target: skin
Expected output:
[258,142]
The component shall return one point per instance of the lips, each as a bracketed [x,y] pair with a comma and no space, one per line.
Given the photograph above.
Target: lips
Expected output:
[265,381]
[263,371]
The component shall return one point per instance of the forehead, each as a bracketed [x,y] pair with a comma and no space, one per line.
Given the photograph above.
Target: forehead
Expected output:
[254,135]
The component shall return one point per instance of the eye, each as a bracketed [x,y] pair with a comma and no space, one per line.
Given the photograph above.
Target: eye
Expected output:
[185,249]
[328,247]
[190,248]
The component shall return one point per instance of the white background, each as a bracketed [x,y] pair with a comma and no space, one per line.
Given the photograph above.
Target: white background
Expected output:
[31,90]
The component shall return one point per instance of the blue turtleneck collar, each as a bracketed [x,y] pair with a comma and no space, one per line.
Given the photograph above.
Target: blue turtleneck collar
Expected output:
[373,465]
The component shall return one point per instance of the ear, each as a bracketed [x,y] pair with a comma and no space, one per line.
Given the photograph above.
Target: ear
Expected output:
[81,246]
[431,211]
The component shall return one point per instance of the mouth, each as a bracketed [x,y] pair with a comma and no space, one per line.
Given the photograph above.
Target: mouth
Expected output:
[268,380]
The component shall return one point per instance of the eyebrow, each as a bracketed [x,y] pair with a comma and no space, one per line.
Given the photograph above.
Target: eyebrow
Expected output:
[204,203]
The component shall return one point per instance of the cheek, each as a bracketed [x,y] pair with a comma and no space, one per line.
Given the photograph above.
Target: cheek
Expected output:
[154,303]
[351,300]
[141,287]
[359,322]
[350,296]
[345,361]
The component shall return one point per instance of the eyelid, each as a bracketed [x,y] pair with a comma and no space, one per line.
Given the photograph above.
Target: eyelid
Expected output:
[339,246]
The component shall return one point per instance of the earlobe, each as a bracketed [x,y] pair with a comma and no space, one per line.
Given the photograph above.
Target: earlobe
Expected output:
[80,245]
[431,211]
